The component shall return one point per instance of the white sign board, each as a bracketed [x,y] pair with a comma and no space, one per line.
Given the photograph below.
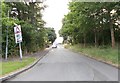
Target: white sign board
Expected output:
[18,34]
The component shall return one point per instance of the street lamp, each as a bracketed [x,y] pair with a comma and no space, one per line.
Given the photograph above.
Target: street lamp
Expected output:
[13,12]
[112,12]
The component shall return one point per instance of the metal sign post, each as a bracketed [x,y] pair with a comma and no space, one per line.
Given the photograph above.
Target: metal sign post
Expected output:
[18,37]
[20,50]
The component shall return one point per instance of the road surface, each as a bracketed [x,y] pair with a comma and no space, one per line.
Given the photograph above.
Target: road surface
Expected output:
[63,65]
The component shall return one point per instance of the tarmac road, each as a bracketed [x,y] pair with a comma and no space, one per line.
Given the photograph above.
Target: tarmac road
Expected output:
[63,65]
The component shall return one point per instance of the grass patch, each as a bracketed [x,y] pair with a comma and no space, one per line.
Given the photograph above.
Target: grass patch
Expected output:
[106,54]
[10,66]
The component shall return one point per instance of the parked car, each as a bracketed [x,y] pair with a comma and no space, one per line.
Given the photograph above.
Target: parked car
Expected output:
[54,46]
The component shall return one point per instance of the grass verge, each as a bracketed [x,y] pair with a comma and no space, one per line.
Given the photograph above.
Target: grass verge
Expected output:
[11,66]
[107,54]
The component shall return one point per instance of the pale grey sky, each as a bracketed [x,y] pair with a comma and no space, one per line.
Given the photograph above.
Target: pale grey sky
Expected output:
[54,13]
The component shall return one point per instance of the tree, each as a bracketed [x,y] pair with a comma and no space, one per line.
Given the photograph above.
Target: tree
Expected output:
[33,33]
[51,34]
[86,18]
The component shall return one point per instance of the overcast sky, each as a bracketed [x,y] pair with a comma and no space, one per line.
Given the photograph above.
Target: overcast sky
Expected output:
[54,13]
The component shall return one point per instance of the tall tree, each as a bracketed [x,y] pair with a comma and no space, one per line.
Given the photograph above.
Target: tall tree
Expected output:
[86,18]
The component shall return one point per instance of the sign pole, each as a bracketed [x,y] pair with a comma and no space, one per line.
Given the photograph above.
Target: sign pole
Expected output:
[20,51]
[18,38]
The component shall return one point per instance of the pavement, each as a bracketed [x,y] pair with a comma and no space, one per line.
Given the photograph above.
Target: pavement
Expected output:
[61,64]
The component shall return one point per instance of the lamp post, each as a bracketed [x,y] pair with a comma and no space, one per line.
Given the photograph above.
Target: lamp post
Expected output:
[6,53]
[13,11]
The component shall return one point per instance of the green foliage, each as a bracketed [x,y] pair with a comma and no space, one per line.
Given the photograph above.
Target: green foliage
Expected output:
[8,25]
[33,31]
[90,22]
[51,34]
[106,54]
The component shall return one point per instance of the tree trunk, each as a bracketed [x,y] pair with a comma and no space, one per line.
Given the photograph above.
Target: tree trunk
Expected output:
[32,12]
[95,39]
[84,40]
[112,35]
[103,40]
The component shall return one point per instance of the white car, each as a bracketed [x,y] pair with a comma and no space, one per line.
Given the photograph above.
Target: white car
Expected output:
[54,46]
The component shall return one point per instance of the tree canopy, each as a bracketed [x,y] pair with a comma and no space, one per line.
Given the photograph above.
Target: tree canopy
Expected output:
[32,25]
[92,23]
[51,34]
